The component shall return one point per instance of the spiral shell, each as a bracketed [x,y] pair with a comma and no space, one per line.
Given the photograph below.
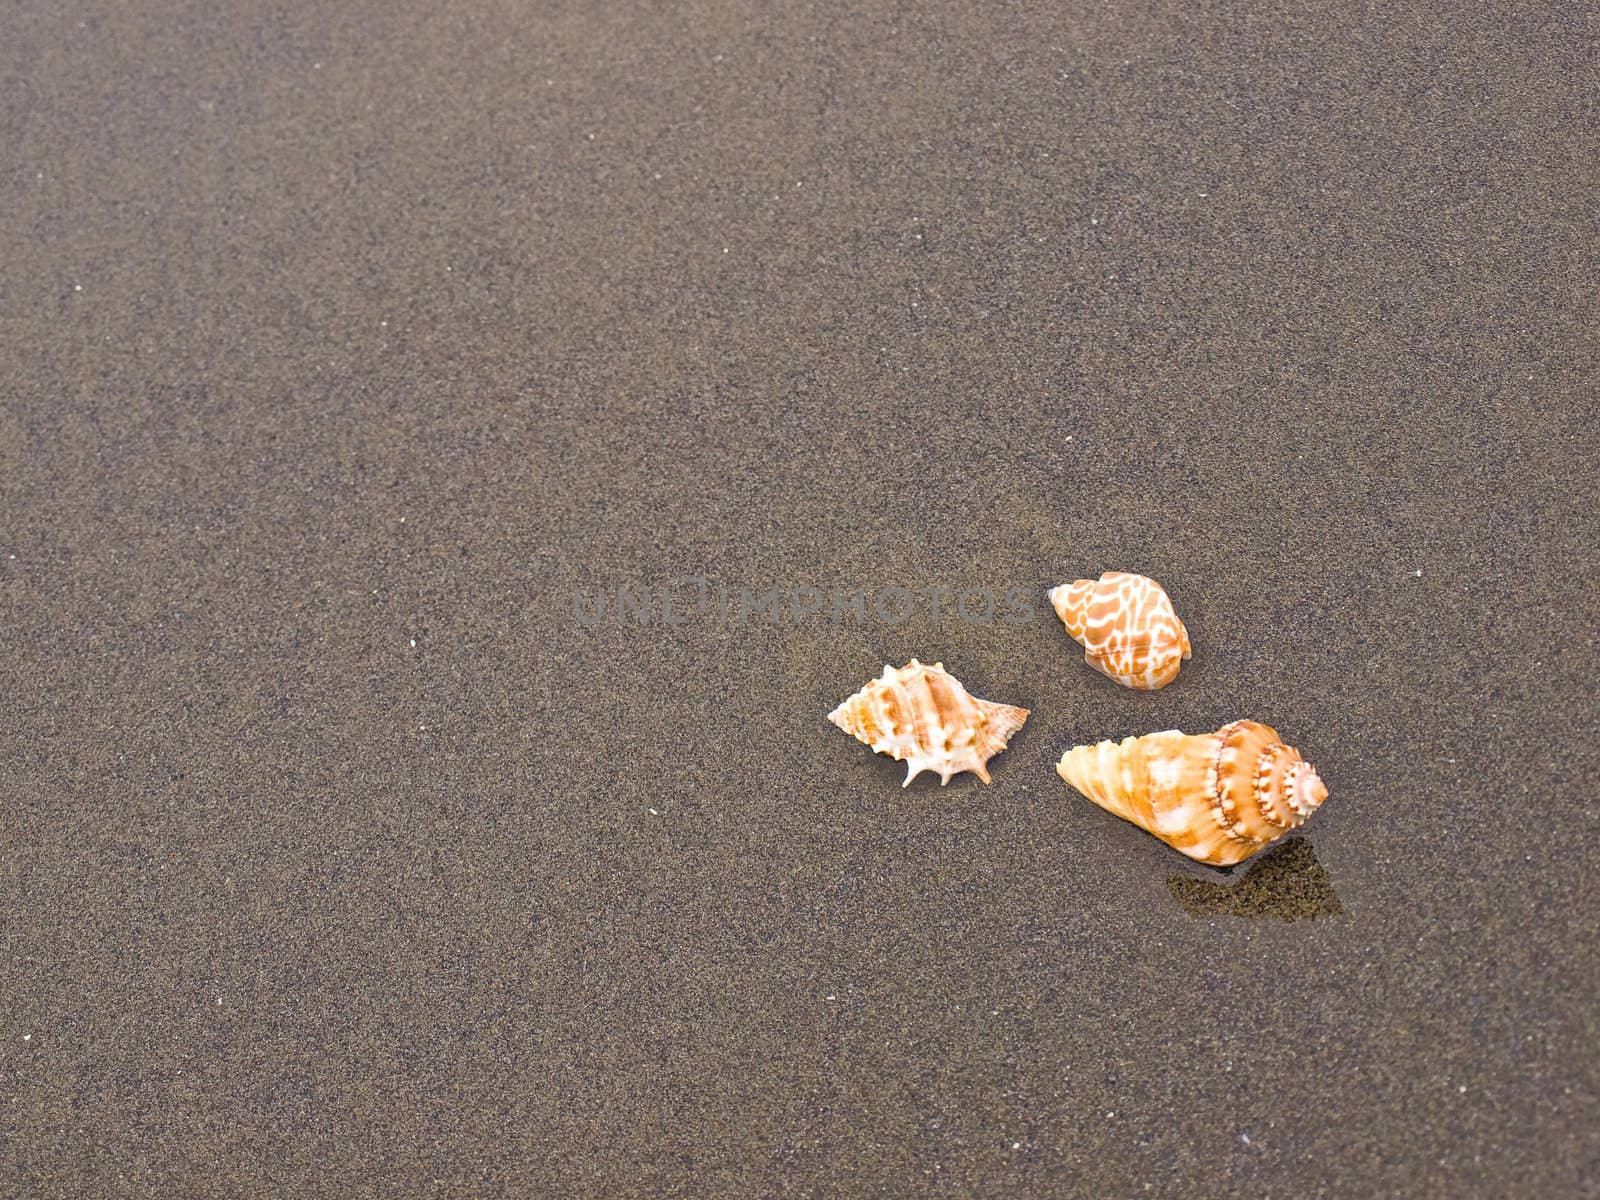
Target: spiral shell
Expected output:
[1217,797]
[922,716]
[1127,627]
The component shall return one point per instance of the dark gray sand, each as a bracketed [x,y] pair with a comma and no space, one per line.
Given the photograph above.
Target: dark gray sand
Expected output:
[344,344]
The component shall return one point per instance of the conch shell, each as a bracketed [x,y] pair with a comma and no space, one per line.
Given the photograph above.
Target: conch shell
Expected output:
[1126,626]
[922,716]
[1217,797]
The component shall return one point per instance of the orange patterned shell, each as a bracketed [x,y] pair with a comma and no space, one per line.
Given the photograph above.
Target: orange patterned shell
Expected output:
[922,716]
[1217,797]
[1126,626]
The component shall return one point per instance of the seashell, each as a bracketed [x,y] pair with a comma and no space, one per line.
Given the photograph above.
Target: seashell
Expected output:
[1217,797]
[922,716]
[1126,626]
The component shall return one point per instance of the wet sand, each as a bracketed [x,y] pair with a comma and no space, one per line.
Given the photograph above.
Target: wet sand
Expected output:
[350,352]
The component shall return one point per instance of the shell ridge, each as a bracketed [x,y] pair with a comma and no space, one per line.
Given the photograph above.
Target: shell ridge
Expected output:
[1222,804]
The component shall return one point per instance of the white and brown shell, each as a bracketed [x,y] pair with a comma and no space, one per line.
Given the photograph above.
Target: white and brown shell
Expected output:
[922,716]
[1217,797]
[1127,627]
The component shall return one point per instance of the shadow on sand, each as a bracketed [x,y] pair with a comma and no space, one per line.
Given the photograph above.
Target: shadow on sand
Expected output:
[1286,882]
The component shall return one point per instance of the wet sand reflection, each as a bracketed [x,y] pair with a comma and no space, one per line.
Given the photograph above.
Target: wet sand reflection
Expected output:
[1286,882]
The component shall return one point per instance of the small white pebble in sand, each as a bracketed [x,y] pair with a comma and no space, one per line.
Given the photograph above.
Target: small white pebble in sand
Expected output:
[653,812]
[830,996]
[219,999]
[27,1037]
[413,643]
[1016,1145]
[1245,1138]
[77,287]
[1418,574]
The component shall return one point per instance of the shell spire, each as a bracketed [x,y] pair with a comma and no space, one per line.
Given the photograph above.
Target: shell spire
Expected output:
[1217,797]
[1127,627]
[922,716]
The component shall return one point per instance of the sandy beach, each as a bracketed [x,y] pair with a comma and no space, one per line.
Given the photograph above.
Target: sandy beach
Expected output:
[453,457]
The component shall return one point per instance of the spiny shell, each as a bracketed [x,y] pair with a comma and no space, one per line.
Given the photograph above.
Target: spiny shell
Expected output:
[1126,626]
[922,716]
[1217,797]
